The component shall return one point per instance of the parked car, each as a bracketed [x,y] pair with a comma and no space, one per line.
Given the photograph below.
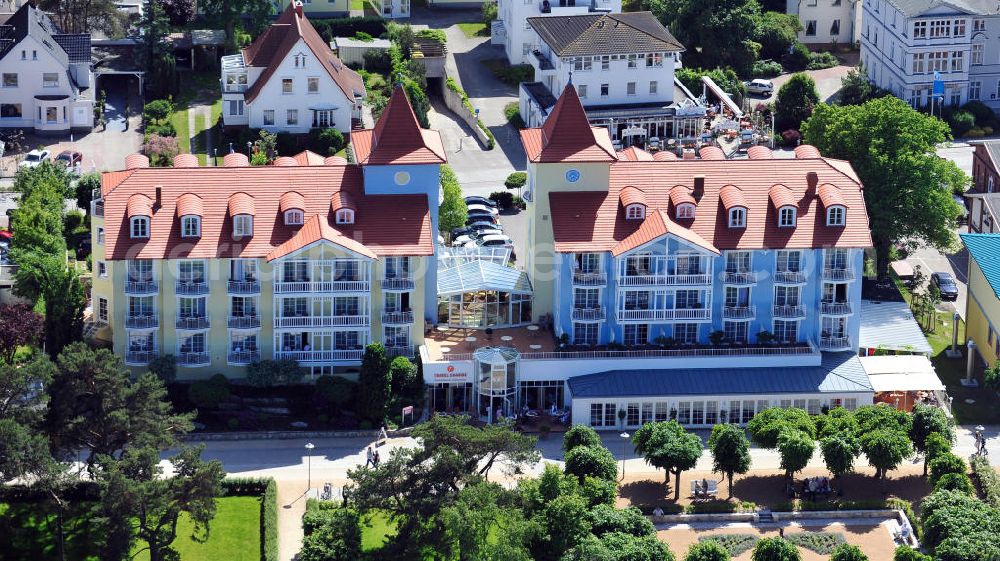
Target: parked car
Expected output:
[483,225]
[35,158]
[477,200]
[462,241]
[760,86]
[482,209]
[473,218]
[946,284]
[69,158]
[496,240]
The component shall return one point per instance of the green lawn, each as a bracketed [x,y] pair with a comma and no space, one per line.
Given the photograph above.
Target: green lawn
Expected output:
[357,4]
[477,29]
[375,529]
[198,88]
[234,534]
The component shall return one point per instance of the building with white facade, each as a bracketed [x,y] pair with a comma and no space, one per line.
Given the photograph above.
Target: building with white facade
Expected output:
[826,22]
[389,9]
[46,75]
[622,66]
[288,80]
[512,30]
[905,42]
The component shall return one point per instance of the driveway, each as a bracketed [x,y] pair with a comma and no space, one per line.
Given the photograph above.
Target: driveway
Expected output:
[827,80]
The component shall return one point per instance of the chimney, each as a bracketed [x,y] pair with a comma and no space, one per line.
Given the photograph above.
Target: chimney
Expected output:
[699,187]
[159,197]
[812,180]
[298,7]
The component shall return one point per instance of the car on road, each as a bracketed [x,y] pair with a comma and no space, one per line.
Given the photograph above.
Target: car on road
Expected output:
[69,158]
[946,284]
[477,200]
[35,159]
[760,86]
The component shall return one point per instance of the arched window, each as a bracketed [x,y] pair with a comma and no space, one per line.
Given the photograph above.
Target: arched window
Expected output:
[345,216]
[685,211]
[293,217]
[635,212]
[786,217]
[835,216]
[140,227]
[191,226]
[738,217]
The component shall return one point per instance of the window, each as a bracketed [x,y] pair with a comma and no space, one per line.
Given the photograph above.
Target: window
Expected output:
[312,84]
[632,61]
[685,211]
[9,80]
[286,85]
[635,212]
[102,309]
[654,60]
[786,296]
[268,117]
[835,27]
[605,89]
[836,2]
[236,107]
[636,334]
[100,236]
[24,55]
[586,298]
[811,28]
[956,97]
[652,86]
[918,63]
[940,28]
[190,226]
[140,227]
[920,30]
[293,217]
[345,216]
[789,261]
[735,331]
[292,117]
[977,54]
[10,110]
[581,90]
[525,48]
[686,333]
[937,61]
[583,64]
[737,217]
[34,55]
[786,217]
[51,114]
[605,62]
[959,28]
[786,331]
[630,88]
[102,269]
[737,261]
[978,25]
[193,344]
[957,61]
[242,225]
[322,118]
[50,80]
[585,333]
[835,216]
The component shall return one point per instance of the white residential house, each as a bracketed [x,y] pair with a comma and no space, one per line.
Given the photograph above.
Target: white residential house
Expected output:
[45,75]
[826,22]
[512,30]
[288,80]
[905,42]
[622,66]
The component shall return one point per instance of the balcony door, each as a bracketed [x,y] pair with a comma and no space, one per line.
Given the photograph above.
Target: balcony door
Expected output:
[834,327]
[737,297]
[834,293]
[786,296]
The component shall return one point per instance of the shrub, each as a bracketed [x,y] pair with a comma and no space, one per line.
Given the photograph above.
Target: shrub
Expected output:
[519,203]
[269,522]
[944,464]
[452,85]
[287,144]
[162,129]
[336,390]
[605,519]
[516,180]
[595,461]
[735,544]
[326,142]
[955,482]
[435,34]
[775,549]
[791,137]
[266,373]
[798,59]
[513,113]
[709,550]
[907,553]
[160,150]
[819,61]
[989,481]
[373,26]
[980,111]
[961,121]
[511,75]
[848,552]
[820,542]
[766,69]
[580,435]
[72,220]
[974,133]
[157,110]
[489,11]
[208,394]
[165,368]
[504,199]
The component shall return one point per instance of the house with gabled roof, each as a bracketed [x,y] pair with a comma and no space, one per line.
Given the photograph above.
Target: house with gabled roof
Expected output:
[289,80]
[45,75]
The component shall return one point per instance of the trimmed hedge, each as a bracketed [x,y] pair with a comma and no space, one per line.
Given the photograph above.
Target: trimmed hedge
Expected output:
[987,480]
[453,86]
[349,27]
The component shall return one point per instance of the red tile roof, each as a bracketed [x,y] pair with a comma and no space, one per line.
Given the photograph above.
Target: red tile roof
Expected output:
[278,40]
[235,160]
[781,196]
[634,154]
[806,151]
[138,205]
[334,161]
[712,153]
[310,158]
[290,200]
[133,161]
[632,196]
[593,220]
[185,161]
[314,230]
[384,224]
[341,200]
[680,195]
[760,153]
[830,195]
[397,137]
[567,135]
[663,155]
[284,161]
[189,204]
[657,224]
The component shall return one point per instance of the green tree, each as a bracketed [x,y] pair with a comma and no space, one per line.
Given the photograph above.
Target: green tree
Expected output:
[84,16]
[402,376]
[908,188]
[635,548]
[164,367]
[135,494]
[667,446]
[65,301]
[926,421]
[489,11]
[707,551]
[19,326]
[766,426]
[580,435]
[85,187]
[945,464]
[594,461]
[268,373]
[796,449]
[959,527]
[566,523]
[839,452]
[716,34]
[605,519]
[478,448]
[730,451]
[795,102]
[23,446]
[590,548]
[778,32]
[725,78]
[775,549]
[847,552]
[857,88]
[955,482]
[935,445]
[453,211]
[885,450]
[337,538]
[907,553]
[158,110]
[374,384]
[227,13]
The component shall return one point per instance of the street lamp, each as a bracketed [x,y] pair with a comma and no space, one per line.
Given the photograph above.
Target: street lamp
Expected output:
[624,436]
[249,148]
[309,451]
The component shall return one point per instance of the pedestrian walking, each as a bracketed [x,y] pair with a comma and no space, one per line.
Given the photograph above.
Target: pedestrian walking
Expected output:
[371,458]
[376,459]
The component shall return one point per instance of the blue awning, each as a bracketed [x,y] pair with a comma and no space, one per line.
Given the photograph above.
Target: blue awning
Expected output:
[474,276]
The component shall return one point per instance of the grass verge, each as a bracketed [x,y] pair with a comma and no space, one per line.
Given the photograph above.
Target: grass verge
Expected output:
[234,535]
[477,29]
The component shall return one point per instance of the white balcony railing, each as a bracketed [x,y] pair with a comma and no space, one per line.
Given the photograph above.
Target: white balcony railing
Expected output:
[835,343]
[789,277]
[400,350]
[193,359]
[234,88]
[786,349]
[142,322]
[243,287]
[839,274]
[665,314]
[242,357]
[739,312]
[322,321]
[243,322]
[191,288]
[788,311]
[192,323]
[835,308]
[353,355]
[141,358]
[589,314]
[581,278]
[397,318]
[398,283]
[665,280]
[740,278]
[322,286]
[139,288]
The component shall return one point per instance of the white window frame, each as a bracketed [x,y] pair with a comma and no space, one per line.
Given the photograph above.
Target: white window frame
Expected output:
[581,90]
[635,211]
[685,211]
[267,115]
[294,217]
[344,216]
[738,217]
[48,81]
[978,52]
[100,235]
[243,226]
[102,309]
[190,226]
[102,269]
[836,215]
[292,117]
[139,227]
[786,217]
[287,86]
[312,84]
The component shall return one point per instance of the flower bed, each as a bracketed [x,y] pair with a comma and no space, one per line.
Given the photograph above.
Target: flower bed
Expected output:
[820,542]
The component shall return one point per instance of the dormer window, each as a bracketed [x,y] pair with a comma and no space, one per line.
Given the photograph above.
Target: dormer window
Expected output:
[345,216]
[242,226]
[738,217]
[635,212]
[190,226]
[786,217]
[835,216]
[293,217]
[685,211]
[140,227]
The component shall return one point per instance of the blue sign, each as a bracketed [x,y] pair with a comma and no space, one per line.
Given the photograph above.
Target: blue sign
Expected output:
[938,89]
[572,176]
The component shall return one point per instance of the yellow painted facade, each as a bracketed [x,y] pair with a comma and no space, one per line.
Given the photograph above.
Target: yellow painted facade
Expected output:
[982,307]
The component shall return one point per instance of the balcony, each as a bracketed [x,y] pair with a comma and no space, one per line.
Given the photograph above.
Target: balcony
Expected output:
[243,287]
[839,275]
[665,280]
[191,288]
[589,314]
[785,311]
[835,343]
[142,322]
[740,278]
[322,321]
[140,358]
[789,277]
[97,208]
[660,315]
[234,88]
[322,286]
[141,287]
[398,284]
[243,322]
[242,357]
[400,350]
[341,355]
[193,359]
[739,312]
[835,308]
[192,323]
[397,318]
[589,279]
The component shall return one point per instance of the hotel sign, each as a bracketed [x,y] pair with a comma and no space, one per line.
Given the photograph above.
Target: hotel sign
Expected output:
[448,372]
